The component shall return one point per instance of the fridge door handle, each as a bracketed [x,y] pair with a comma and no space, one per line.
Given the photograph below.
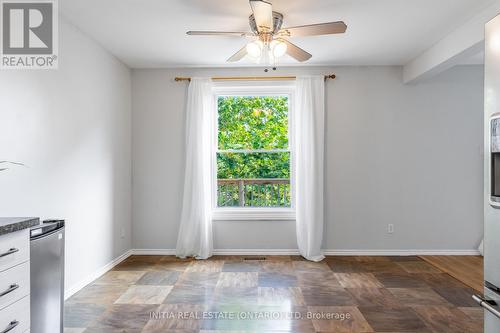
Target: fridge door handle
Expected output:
[487,305]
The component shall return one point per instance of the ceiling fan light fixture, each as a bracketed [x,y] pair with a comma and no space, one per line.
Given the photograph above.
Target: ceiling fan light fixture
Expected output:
[254,48]
[278,48]
[270,39]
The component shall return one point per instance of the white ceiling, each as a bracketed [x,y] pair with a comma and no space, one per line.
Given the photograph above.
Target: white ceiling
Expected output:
[151,33]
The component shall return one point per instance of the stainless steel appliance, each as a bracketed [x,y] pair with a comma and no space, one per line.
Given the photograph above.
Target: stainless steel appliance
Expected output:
[47,277]
[495,159]
[491,299]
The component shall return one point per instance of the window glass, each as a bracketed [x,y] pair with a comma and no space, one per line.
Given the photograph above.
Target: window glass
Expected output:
[253,156]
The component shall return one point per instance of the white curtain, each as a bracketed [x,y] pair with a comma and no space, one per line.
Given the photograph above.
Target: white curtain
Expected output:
[195,233]
[308,133]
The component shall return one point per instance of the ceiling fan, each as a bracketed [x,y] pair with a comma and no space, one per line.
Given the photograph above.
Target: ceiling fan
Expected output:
[270,39]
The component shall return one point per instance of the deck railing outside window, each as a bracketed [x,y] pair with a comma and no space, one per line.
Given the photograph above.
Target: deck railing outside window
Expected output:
[253,192]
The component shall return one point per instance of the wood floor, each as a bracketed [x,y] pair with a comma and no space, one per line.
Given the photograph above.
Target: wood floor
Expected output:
[467,269]
[153,294]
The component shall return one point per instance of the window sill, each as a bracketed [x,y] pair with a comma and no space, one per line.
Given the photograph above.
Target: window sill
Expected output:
[253,214]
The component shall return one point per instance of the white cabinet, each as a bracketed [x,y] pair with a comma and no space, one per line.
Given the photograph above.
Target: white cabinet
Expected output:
[14,249]
[16,315]
[15,282]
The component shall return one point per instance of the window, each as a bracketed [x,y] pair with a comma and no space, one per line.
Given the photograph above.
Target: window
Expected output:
[253,156]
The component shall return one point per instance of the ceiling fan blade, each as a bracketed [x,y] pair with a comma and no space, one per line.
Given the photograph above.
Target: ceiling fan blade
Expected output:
[315,29]
[238,55]
[263,14]
[296,52]
[219,33]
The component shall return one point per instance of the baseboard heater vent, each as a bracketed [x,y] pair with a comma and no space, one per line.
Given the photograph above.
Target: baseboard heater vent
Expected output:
[254,258]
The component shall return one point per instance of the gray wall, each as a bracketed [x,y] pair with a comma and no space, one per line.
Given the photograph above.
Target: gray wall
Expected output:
[71,127]
[401,154]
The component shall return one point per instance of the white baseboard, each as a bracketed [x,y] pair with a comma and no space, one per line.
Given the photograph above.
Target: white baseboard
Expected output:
[401,252]
[256,252]
[328,252]
[229,252]
[153,252]
[70,291]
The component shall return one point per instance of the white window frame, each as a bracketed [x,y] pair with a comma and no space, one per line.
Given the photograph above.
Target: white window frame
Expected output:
[254,213]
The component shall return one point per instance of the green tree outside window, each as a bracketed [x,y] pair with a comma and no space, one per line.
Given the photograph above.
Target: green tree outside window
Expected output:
[253,148]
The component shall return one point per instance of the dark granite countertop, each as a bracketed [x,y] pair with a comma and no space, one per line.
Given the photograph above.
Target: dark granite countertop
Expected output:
[12,224]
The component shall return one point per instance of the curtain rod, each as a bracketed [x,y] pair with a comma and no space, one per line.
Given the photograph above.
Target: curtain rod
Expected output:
[251,78]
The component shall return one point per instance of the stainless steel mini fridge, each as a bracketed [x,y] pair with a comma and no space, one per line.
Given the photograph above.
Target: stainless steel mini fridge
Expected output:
[491,299]
[47,277]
